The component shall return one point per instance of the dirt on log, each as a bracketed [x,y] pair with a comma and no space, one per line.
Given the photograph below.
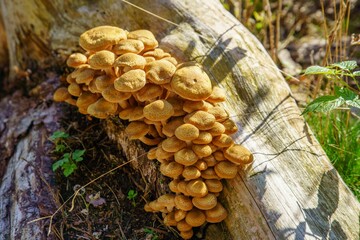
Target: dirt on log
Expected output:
[290,192]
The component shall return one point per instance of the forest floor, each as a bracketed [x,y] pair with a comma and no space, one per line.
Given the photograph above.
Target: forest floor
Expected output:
[112,206]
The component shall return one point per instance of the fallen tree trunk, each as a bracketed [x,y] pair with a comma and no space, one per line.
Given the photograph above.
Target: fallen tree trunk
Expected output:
[291,191]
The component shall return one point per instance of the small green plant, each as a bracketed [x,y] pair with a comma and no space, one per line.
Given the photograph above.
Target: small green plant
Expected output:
[70,158]
[152,233]
[131,195]
[343,95]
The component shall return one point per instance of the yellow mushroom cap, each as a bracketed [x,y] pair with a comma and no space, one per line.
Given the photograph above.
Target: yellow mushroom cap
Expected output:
[210,161]
[187,234]
[161,154]
[226,169]
[171,169]
[217,95]
[173,144]
[157,53]
[181,186]
[217,129]
[170,127]
[183,225]
[136,129]
[200,119]
[85,99]
[230,126]
[112,95]
[204,138]
[223,140]
[76,59]
[128,46]
[205,203]
[183,202]
[202,150]
[74,89]
[191,172]
[145,36]
[196,188]
[191,82]
[214,185]
[177,104]
[216,214]
[101,37]
[179,214]
[104,81]
[102,59]
[149,92]
[186,157]
[167,200]
[131,60]
[238,154]
[195,217]
[102,108]
[169,219]
[191,106]
[85,75]
[160,71]
[219,113]
[130,81]
[209,173]
[187,132]
[61,94]
[158,110]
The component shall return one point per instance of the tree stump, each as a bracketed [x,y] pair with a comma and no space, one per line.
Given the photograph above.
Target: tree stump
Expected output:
[290,192]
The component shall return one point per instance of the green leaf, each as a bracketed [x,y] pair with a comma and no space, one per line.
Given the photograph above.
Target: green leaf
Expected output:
[57,164]
[58,134]
[69,168]
[60,148]
[324,104]
[345,65]
[356,73]
[319,70]
[345,93]
[77,155]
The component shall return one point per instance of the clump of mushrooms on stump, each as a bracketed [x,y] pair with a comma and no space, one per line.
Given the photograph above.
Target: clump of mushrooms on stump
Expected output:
[172,107]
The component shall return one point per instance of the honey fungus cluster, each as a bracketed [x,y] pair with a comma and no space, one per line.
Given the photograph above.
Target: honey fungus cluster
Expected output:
[172,107]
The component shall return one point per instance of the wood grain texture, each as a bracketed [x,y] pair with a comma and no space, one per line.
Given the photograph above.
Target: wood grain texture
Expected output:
[291,191]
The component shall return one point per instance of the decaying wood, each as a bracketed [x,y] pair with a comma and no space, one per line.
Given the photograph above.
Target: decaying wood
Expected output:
[291,191]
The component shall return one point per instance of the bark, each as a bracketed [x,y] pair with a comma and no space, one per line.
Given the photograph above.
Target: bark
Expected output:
[291,191]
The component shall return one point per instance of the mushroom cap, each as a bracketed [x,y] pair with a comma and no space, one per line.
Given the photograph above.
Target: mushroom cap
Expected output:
[104,81]
[130,81]
[205,203]
[145,36]
[136,129]
[74,89]
[183,225]
[214,185]
[149,92]
[101,37]
[85,75]
[219,113]
[160,71]
[102,108]
[219,155]
[223,140]
[167,200]
[128,46]
[216,214]
[177,104]
[191,82]
[151,154]
[171,169]
[191,172]
[102,59]
[238,154]
[210,161]
[187,132]
[170,127]
[209,173]
[183,202]
[186,157]
[85,99]
[196,188]
[61,94]
[161,154]
[173,144]
[158,110]
[181,186]
[230,126]
[112,95]
[131,60]
[217,95]
[201,165]
[132,114]
[157,53]
[179,214]
[173,186]
[187,234]
[204,138]
[226,169]
[200,119]
[195,217]
[169,219]
[201,150]
[191,106]
[217,129]
[76,59]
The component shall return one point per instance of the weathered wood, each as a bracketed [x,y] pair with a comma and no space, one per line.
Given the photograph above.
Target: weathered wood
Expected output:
[291,191]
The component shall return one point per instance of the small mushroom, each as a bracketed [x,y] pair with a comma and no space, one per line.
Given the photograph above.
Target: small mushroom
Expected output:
[104,81]
[219,113]
[238,154]
[186,157]
[217,95]
[167,200]
[61,94]
[161,154]
[196,188]
[173,144]
[112,95]
[191,172]
[160,71]
[149,92]
[200,119]
[204,138]
[132,114]
[230,126]
[209,173]
[74,89]
[100,38]
[217,129]
[183,226]
[191,82]
[128,46]
[187,234]
[216,214]
[183,202]
[177,104]
[76,59]
[187,132]
[210,161]
[146,37]
[159,110]
[169,219]
[130,60]
[85,99]
[223,141]
[225,169]
[179,214]
[103,59]
[214,185]
[170,127]
[205,203]
[157,53]
[102,108]
[130,81]
[171,169]
[85,75]
[202,150]
[195,217]
[191,106]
